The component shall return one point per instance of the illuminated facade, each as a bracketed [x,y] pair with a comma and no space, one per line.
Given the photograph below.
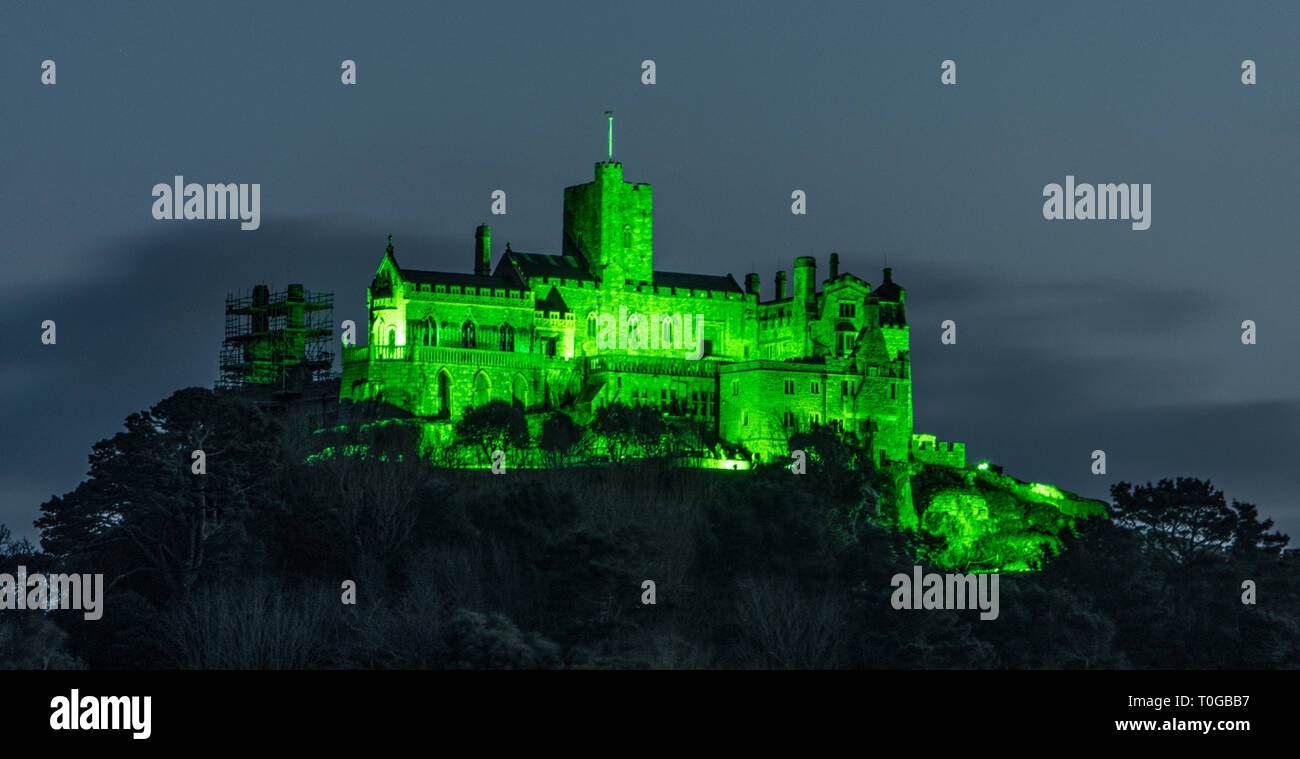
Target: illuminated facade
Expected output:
[834,352]
[528,331]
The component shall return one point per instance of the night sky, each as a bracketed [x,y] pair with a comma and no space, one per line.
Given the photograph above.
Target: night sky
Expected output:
[1072,335]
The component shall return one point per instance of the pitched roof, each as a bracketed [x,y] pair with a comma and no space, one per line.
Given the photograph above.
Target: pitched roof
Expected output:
[460,280]
[696,281]
[531,265]
[553,302]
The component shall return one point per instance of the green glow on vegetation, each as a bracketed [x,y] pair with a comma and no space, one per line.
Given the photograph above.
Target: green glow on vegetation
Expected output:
[1046,491]
[734,464]
[824,351]
[330,452]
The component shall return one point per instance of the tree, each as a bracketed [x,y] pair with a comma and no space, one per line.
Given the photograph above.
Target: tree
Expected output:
[1251,534]
[494,426]
[560,437]
[837,459]
[143,507]
[628,430]
[1187,519]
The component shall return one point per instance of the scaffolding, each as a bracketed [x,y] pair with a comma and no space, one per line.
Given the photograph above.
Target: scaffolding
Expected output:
[277,341]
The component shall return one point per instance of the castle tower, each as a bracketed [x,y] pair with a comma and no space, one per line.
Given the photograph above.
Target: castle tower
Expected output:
[608,222]
[887,303]
[805,279]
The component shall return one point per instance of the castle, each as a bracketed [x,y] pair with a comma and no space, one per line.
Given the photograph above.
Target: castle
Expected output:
[833,352]
[536,331]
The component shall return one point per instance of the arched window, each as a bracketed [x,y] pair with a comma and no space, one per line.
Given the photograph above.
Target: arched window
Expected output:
[627,235]
[467,335]
[519,392]
[392,335]
[506,338]
[591,325]
[431,333]
[482,389]
[444,395]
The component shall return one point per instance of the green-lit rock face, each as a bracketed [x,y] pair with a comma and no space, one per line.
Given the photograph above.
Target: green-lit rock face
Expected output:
[536,332]
[993,522]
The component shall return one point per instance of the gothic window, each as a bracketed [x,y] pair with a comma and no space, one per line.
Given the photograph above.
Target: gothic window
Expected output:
[506,338]
[444,395]
[467,335]
[431,333]
[392,335]
[519,393]
[846,310]
[591,326]
[627,235]
[482,389]
[735,387]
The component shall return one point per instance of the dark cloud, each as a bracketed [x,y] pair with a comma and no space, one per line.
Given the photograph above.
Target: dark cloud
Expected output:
[156,324]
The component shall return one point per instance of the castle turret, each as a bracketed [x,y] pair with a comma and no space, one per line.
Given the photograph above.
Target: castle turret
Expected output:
[886,304]
[609,223]
[805,279]
[890,296]
[483,250]
[780,285]
[751,283]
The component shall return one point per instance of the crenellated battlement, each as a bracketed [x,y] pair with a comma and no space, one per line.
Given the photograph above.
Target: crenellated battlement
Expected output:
[928,450]
[565,320]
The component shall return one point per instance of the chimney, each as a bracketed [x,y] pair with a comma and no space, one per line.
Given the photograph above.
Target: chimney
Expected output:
[835,266]
[780,285]
[751,283]
[805,279]
[889,275]
[483,250]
